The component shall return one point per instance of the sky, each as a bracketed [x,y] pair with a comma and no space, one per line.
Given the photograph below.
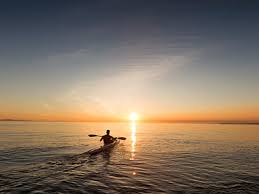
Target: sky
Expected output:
[100,60]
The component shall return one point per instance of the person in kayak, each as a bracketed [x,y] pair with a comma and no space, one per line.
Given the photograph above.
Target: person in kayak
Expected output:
[107,139]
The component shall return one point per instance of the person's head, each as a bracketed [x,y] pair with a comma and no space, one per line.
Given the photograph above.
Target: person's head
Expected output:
[108,132]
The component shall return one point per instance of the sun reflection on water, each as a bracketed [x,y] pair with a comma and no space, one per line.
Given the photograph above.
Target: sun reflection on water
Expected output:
[133,139]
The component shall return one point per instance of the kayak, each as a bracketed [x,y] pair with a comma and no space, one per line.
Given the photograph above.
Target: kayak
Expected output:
[104,148]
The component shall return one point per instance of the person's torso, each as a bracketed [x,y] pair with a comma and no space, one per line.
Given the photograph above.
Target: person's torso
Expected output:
[107,139]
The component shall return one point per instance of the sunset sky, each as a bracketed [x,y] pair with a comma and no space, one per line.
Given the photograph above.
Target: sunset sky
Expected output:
[101,60]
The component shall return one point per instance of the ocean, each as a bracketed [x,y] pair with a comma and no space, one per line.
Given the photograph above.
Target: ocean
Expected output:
[51,157]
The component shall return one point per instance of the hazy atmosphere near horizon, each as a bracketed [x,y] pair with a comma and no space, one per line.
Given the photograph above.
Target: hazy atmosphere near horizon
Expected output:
[101,60]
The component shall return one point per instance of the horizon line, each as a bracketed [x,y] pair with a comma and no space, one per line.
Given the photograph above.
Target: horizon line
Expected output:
[141,121]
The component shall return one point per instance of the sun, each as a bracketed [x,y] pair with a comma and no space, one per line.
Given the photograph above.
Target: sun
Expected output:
[133,116]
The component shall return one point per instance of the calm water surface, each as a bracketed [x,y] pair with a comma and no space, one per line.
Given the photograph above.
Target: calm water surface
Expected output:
[155,158]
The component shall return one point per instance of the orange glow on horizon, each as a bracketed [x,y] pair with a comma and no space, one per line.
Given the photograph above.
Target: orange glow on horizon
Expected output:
[133,116]
[237,114]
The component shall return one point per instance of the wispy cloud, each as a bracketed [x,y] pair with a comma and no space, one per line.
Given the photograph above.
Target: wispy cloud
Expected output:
[113,94]
[124,80]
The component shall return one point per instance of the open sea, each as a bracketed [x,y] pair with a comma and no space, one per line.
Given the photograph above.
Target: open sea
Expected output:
[51,157]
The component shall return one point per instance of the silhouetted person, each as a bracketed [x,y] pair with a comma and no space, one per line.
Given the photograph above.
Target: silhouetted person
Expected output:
[107,139]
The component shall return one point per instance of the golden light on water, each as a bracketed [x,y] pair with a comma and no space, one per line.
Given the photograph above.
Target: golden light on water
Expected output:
[133,118]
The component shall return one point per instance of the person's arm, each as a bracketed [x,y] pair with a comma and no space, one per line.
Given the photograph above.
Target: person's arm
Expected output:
[101,138]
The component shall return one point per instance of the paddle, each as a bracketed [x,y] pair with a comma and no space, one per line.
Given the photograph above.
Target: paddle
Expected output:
[92,135]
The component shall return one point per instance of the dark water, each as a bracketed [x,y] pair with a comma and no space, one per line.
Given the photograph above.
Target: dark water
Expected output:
[155,158]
